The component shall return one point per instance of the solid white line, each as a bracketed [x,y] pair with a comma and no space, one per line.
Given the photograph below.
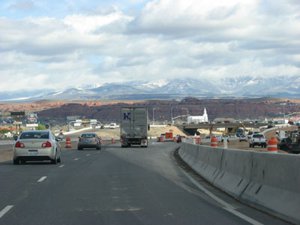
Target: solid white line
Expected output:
[5,210]
[61,166]
[207,192]
[226,206]
[76,159]
[42,179]
[243,216]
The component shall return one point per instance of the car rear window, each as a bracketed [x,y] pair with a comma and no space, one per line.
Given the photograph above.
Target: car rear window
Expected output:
[258,136]
[88,135]
[34,135]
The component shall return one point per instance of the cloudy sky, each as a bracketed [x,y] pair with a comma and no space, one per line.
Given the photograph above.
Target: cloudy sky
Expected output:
[63,43]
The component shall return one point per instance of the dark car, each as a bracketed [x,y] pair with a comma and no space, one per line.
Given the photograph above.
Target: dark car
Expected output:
[286,144]
[178,138]
[89,140]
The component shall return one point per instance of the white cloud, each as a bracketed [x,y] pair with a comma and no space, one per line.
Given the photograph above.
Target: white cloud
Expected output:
[86,24]
[196,15]
[168,39]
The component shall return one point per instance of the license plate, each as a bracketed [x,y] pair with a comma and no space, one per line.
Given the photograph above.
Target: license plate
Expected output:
[32,152]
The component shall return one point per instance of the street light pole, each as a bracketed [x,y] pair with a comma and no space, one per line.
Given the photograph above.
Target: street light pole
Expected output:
[172,120]
[187,112]
[153,116]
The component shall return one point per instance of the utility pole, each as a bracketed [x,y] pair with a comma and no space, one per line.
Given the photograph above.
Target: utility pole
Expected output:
[153,116]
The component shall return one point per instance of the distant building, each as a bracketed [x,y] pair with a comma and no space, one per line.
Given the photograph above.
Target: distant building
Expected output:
[280,121]
[198,119]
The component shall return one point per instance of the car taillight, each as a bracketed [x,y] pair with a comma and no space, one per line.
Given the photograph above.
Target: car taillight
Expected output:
[47,144]
[19,145]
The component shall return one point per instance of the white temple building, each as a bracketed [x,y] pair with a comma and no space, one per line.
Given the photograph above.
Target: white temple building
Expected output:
[198,119]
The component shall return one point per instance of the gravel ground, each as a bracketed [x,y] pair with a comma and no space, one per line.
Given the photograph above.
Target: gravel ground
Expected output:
[5,154]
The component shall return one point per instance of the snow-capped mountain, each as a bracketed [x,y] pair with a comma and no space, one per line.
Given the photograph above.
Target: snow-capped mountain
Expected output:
[246,86]
[155,84]
[281,86]
[188,87]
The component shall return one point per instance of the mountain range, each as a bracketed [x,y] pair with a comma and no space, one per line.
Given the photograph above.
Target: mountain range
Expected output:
[239,87]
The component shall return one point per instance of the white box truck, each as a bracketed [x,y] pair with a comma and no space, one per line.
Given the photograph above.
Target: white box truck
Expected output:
[134,126]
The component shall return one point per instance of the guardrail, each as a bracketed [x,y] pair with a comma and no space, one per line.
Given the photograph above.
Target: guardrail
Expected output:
[267,181]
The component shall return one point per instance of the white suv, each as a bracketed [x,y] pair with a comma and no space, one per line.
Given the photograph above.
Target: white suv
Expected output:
[258,139]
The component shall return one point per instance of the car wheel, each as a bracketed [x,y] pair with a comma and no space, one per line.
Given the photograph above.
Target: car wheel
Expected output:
[54,161]
[79,148]
[16,162]
[98,148]
[59,160]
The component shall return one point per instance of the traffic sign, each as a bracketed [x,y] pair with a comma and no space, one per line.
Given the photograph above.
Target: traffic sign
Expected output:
[17,113]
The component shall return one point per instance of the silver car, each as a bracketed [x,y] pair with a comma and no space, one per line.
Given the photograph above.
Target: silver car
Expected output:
[36,145]
[89,140]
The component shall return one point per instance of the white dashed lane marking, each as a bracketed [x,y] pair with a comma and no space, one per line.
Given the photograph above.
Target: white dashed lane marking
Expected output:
[61,166]
[5,210]
[42,179]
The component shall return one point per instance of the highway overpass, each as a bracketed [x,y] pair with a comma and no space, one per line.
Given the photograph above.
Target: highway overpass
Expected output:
[192,128]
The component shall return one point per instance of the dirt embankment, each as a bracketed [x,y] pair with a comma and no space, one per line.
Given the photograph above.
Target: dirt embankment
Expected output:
[153,132]
[5,154]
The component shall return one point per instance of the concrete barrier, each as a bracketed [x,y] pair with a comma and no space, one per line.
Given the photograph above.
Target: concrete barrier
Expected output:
[203,159]
[235,175]
[6,142]
[267,181]
[275,184]
[211,158]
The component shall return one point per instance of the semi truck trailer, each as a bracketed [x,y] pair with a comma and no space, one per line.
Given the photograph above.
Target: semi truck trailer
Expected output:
[134,126]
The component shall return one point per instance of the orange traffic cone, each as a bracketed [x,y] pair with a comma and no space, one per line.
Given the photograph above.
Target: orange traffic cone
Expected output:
[68,142]
[214,142]
[272,145]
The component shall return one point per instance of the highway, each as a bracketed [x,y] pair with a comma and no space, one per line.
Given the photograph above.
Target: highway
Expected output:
[128,186]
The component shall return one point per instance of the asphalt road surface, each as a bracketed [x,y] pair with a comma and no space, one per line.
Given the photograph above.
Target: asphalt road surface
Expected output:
[126,186]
